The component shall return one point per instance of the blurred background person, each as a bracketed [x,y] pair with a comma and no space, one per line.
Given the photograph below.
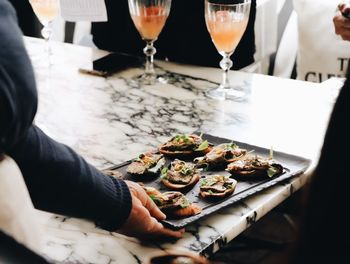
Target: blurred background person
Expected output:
[27,20]
[184,39]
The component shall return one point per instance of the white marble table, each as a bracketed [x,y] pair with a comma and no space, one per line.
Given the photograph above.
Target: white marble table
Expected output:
[112,120]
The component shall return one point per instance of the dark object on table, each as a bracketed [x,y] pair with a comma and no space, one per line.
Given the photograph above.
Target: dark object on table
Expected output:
[179,258]
[111,63]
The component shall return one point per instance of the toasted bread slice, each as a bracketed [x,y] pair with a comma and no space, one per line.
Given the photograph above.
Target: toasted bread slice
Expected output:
[191,210]
[206,194]
[185,154]
[114,173]
[177,186]
[147,164]
[254,167]
[176,205]
[180,175]
[221,155]
[185,147]
[217,186]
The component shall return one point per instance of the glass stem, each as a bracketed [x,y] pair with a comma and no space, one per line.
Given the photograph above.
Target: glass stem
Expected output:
[225,64]
[46,32]
[149,51]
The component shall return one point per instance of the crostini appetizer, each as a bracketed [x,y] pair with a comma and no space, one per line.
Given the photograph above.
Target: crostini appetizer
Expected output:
[147,164]
[217,186]
[251,167]
[185,146]
[181,175]
[176,205]
[220,156]
[173,204]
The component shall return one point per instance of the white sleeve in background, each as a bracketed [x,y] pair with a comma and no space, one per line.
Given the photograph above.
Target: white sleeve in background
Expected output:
[83,10]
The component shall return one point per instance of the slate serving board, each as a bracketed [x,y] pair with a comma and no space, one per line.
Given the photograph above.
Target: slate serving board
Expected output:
[293,166]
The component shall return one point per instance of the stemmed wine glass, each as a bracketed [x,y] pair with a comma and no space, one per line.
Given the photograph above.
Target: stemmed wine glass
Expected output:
[46,11]
[149,17]
[226,22]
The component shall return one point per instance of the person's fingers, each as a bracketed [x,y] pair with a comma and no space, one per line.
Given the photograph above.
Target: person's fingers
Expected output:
[170,233]
[345,36]
[154,210]
[341,6]
[344,8]
[154,225]
[159,230]
[343,32]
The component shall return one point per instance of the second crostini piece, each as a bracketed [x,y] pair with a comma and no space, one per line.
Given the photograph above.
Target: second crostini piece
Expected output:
[181,175]
[254,167]
[185,146]
[173,204]
[147,164]
[220,156]
[217,186]
[176,205]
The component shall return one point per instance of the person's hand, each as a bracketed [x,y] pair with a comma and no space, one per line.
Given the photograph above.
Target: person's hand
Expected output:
[144,216]
[341,23]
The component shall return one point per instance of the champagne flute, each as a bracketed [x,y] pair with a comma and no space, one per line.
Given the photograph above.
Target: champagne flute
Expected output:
[149,17]
[226,22]
[46,11]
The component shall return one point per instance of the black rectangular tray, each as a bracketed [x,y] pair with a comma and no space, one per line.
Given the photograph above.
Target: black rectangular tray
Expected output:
[293,166]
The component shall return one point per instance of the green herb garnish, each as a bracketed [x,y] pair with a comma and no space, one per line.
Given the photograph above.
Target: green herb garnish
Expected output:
[164,173]
[156,200]
[271,172]
[204,182]
[233,145]
[186,170]
[155,169]
[204,145]
[184,138]
[185,203]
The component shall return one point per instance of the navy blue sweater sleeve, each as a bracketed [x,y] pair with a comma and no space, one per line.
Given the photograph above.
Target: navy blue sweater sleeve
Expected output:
[58,179]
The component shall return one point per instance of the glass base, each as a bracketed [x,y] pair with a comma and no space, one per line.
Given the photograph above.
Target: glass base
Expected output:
[233,93]
[159,77]
[146,79]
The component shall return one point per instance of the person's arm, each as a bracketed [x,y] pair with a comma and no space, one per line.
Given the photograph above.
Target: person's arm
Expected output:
[342,23]
[58,179]
[61,181]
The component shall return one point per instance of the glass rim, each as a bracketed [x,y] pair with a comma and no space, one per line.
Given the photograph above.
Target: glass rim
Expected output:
[238,4]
